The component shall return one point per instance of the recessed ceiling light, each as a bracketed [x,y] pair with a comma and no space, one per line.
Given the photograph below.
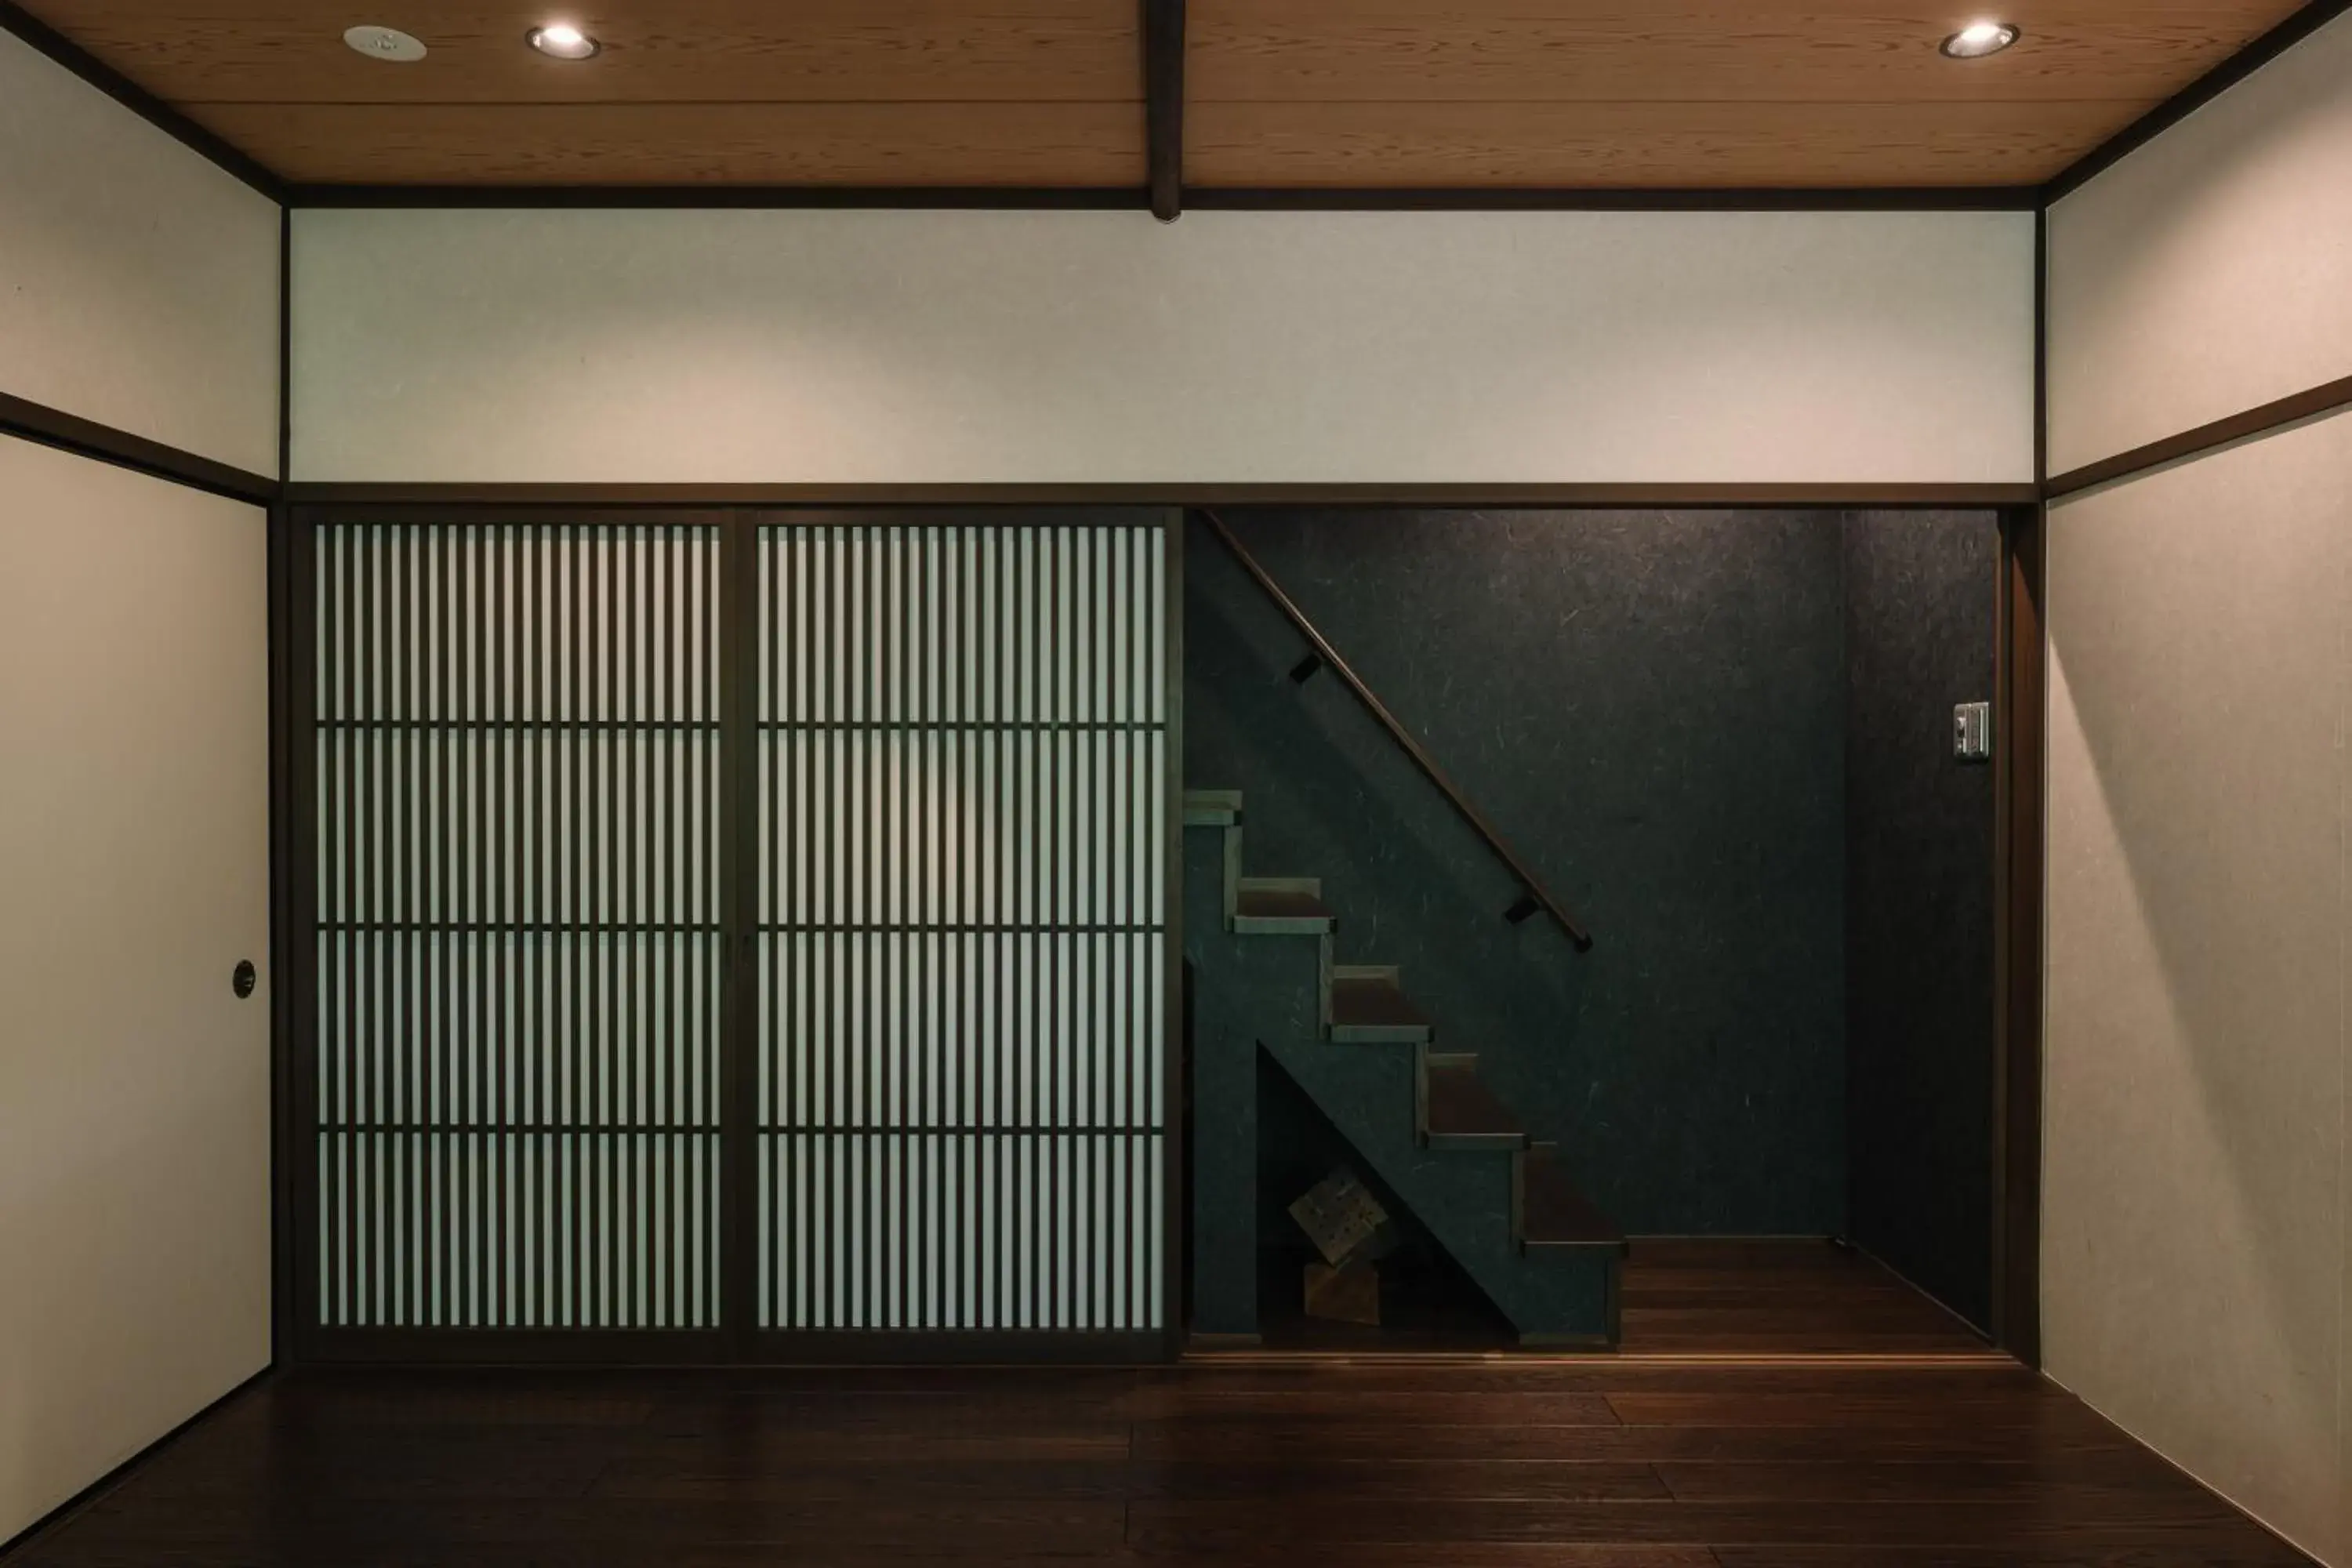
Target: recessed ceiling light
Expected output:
[384,42]
[564,41]
[1978,39]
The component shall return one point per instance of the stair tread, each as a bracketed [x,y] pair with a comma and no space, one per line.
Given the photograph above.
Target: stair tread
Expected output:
[1213,807]
[1373,1002]
[1278,903]
[1461,1106]
[1556,1213]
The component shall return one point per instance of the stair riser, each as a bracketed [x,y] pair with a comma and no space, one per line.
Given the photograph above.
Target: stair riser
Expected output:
[1310,885]
[1380,1034]
[1612,1249]
[1261,925]
[1233,873]
[1213,807]
[1475,1142]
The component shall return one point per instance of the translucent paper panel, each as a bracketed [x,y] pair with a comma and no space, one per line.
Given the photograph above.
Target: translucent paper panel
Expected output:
[505,1230]
[963,1029]
[963,825]
[971,1231]
[516,763]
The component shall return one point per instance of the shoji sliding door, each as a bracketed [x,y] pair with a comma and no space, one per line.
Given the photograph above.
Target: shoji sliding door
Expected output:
[964,787]
[515,1069]
[739,934]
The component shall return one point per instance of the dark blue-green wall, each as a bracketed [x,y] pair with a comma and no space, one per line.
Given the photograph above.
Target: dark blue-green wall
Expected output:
[1919,906]
[1651,707]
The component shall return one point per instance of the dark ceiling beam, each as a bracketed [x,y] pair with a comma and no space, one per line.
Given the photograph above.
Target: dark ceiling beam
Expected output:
[1163,104]
[2193,97]
[1231,198]
[1614,198]
[48,41]
[1123,198]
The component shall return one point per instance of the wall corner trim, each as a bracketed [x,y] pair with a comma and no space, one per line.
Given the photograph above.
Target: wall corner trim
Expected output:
[231,160]
[2260,52]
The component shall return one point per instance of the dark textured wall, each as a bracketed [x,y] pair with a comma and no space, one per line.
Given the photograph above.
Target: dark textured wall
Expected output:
[1652,708]
[1919,853]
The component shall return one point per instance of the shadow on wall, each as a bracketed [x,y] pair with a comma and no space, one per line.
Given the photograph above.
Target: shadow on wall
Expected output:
[1649,706]
[2195,1046]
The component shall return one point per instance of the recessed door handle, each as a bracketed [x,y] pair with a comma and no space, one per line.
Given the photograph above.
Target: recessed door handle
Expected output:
[242,978]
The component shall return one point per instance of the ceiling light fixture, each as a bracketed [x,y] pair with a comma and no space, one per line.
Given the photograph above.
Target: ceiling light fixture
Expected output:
[563,41]
[1978,39]
[384,44]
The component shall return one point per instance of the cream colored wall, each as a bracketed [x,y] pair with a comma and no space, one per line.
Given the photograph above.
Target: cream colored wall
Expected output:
[2210,271]
[903,347]
[138,283]
[2194,1222]
[134,1086]
[2197,1241]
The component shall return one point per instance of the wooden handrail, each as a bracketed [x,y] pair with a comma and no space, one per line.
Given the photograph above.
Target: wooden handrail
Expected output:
[1533,891]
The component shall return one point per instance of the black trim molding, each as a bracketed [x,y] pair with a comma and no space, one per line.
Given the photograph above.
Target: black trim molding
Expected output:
[1140,198]
[1163,105]
[2194,97]
[2329,397]
[88,438]
[47,40]
[1615,198]
[919,198]
[1487,495]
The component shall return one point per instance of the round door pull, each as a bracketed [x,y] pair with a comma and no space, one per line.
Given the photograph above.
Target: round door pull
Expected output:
[241,979]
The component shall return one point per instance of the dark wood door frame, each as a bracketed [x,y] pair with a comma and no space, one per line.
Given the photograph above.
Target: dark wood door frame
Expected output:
[2019,727]
[2018,816]
[295,702]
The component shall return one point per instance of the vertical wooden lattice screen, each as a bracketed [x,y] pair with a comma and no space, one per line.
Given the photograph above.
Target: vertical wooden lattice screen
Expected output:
[963,907]
[519,945]
[746,928]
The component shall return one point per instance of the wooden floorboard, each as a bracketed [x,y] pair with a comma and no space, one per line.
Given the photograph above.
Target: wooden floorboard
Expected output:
[1778,1405]
[1728,1296]
[1470,1463]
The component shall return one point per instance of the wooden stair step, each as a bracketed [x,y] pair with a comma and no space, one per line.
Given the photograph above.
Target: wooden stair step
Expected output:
[1372,1009]
[1280,908]
[1459,1111]
[1552,1213]
[1213,807]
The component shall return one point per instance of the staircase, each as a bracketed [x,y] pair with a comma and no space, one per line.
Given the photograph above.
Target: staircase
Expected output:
[1418,1114]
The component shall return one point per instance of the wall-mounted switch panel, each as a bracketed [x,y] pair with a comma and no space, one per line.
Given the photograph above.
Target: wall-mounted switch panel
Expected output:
[1972,731]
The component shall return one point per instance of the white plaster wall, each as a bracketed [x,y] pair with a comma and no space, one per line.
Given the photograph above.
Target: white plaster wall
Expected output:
[2194,1221]
[2210,271]
[848,347]
[138,281]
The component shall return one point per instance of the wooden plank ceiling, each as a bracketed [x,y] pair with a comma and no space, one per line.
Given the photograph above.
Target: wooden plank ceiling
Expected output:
[1291,93]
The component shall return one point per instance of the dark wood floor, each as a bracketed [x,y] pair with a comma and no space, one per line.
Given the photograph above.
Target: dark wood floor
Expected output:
[1716,1296]
[1456,1465]
[1737,1431]
[1697,1297]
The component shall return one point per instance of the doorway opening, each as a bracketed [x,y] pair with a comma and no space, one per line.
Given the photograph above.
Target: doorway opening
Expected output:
[1427,755]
